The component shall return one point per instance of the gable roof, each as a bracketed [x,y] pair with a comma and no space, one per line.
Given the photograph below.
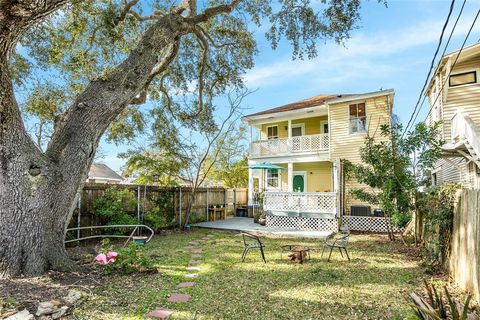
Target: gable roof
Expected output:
[305,103]
[104,172]
[319,100]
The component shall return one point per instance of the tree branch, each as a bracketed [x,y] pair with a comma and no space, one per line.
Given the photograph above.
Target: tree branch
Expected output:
[213,11]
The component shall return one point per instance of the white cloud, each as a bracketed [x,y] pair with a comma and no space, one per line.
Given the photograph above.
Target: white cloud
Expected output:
[362,55]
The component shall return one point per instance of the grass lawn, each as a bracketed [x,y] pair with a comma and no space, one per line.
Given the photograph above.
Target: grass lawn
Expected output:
[371,286]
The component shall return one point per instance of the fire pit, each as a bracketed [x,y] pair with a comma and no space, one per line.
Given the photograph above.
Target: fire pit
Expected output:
[296,252]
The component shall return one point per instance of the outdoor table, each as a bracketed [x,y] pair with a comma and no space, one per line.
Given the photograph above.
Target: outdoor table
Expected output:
[212,213]
[296,249]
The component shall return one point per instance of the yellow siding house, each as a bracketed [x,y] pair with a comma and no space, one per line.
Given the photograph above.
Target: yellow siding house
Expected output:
[307,139]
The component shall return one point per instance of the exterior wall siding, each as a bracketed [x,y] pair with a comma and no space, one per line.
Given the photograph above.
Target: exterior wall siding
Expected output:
[466,97]
[347,146]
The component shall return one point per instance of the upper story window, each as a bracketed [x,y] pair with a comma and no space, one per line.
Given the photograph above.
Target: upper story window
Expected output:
[358,118]
[272,132]
[462,78]
[272,178]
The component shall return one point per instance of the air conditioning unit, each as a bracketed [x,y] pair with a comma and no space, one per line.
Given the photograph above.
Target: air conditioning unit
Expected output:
[359,210]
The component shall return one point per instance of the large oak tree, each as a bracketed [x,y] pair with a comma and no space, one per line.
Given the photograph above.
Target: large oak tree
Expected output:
[79,68]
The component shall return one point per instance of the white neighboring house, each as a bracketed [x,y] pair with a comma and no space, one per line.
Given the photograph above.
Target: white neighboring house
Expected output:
[454,95]
[101,173]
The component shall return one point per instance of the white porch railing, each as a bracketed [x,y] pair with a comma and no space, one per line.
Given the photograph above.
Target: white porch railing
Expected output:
[308,143]
[463,127]
[308,202]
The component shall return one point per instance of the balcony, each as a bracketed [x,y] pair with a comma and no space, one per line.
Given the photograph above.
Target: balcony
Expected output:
[286,146]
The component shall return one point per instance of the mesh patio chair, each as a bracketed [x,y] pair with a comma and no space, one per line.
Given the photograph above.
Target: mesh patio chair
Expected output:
[252,242]
[338,240]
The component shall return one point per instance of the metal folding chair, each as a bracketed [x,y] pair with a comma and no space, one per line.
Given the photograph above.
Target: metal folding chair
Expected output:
[252,241]
[337,240]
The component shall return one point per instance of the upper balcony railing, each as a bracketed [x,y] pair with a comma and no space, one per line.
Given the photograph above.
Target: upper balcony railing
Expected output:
[285,146]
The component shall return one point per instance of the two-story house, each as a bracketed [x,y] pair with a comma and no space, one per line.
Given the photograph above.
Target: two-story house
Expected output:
[307,139]
[454,96]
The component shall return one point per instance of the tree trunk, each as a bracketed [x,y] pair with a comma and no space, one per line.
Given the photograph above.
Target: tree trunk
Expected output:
[38,189]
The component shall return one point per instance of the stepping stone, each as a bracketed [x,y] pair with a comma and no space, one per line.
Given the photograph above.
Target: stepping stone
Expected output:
[178,297]
[194,268]
[185,285]
[194,243]
[206,238]
[194,250]
[160,313]
[191,276]
[194,262]
[197,255]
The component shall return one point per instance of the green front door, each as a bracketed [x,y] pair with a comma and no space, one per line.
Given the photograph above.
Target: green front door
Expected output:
[298,183]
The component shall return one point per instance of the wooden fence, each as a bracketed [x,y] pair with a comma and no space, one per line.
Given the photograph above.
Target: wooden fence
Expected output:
[465,245]
[172,202]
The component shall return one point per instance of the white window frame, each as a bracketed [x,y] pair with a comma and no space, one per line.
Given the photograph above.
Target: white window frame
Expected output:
[298,125]
[350,119]
[323,122]
[273,137]
[279,180]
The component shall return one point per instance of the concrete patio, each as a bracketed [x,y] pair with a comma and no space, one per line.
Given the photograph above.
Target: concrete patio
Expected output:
[247,225]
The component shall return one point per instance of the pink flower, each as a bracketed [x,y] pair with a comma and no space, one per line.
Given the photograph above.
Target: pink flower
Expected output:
[111,256]
[101,259]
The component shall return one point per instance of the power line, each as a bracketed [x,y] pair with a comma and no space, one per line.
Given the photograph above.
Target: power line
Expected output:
[453,65]
[438,66]
[440,40]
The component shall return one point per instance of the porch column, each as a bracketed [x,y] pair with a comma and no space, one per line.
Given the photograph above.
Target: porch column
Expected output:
[289,140]
[335,176]
[250,186]
[290,177]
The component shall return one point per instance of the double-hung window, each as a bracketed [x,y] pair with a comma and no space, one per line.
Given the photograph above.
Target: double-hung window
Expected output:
[272,132]
[272,178]
[358,118]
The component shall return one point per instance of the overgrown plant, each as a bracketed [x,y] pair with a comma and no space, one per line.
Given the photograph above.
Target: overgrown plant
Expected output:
[437,307]
[114,207]
[395,167]
[128,260]
[437,207]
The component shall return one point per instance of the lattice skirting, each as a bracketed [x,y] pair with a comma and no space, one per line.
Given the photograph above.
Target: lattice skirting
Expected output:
[369,224]
[302,223]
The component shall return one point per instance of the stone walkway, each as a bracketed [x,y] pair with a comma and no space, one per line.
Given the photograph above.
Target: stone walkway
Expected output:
[194,264]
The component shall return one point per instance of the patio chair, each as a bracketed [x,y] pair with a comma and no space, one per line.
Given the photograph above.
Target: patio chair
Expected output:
[252,242]
[337,240]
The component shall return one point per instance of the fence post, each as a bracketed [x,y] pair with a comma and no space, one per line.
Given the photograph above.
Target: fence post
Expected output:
[180,208]
[207,211]
[234,201]
[138,204]
[79,205]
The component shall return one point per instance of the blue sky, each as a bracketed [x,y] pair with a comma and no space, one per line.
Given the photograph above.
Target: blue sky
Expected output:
[392,48]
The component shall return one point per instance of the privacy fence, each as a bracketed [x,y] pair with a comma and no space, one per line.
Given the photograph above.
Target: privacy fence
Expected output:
[170,203]
[465,244]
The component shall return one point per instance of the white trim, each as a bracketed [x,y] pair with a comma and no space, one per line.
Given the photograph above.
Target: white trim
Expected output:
[298,125]
[266,131]
[322,122]
[304,174]
[105,178]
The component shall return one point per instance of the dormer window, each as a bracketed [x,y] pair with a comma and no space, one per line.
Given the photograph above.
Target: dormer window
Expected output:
[460,79]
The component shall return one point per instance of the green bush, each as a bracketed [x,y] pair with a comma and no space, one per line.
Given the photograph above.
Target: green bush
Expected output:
[401,219]
[114,206]
[130,259]
[155,219]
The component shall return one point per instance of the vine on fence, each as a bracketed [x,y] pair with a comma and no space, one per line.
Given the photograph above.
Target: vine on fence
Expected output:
[437,205]
[114,206]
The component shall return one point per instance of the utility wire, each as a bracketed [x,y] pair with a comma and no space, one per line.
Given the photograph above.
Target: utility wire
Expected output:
[453,65]
[440,40]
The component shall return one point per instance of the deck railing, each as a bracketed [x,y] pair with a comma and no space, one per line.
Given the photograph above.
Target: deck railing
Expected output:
[308,202]
[281,146]
[463,128]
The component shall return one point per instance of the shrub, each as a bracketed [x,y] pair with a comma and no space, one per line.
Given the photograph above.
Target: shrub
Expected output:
[114,206]
[130,259]
[155,219]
